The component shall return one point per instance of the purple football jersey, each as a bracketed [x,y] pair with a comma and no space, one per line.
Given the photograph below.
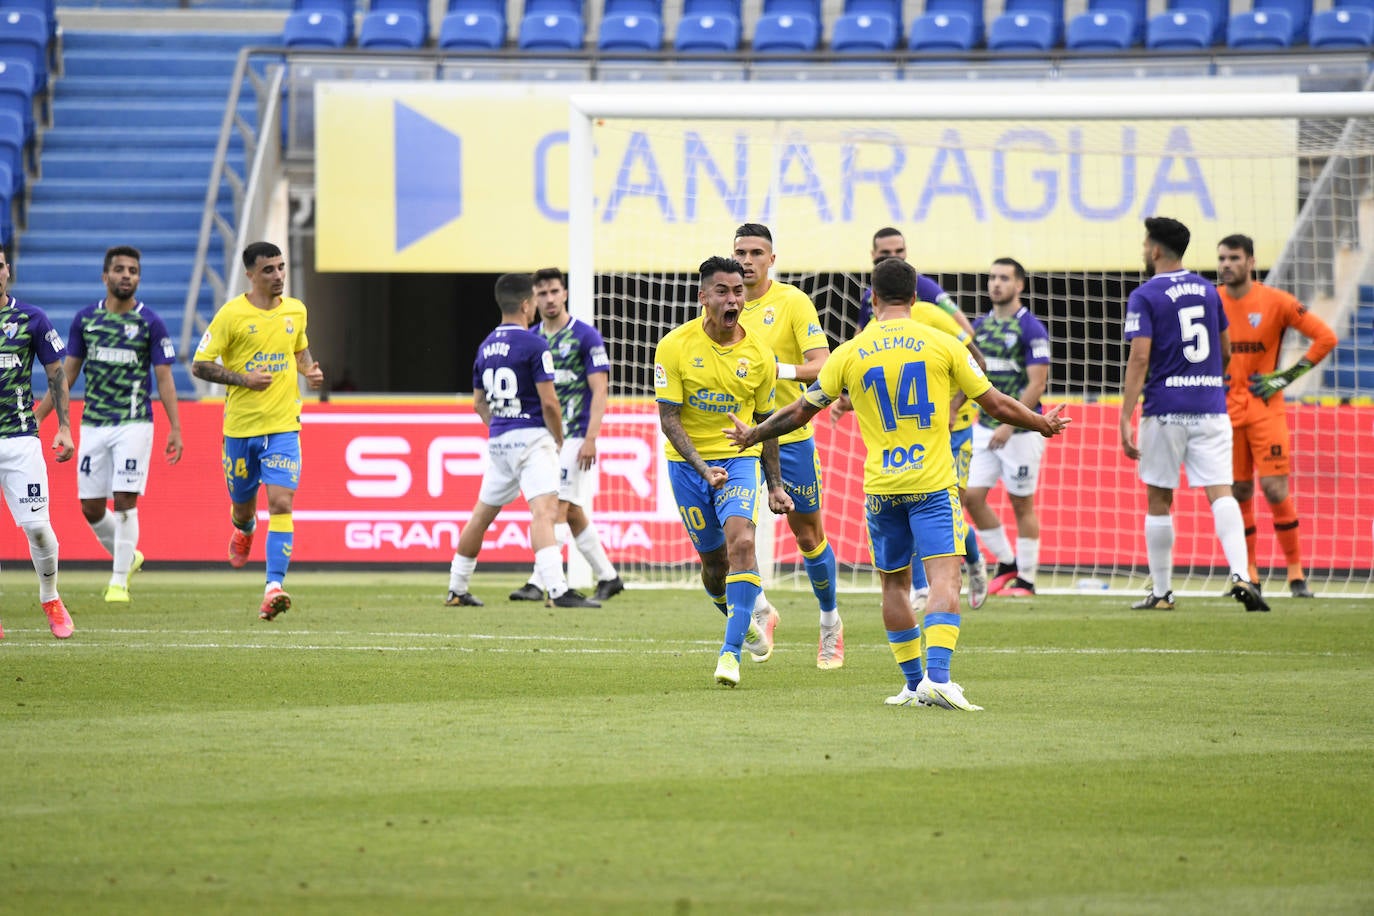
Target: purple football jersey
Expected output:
[509,364]
[578,351]
[1182,315]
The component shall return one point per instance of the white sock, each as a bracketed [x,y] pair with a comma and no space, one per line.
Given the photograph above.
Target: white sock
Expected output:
[830,618]
[1231,533]
[995,540]
[761,602]
[43,550]
[460,573]
[589,545]
[548,566]
[104,530]
[126,539]
[562,534]
[534,579]
[1027,558]
[1159,550]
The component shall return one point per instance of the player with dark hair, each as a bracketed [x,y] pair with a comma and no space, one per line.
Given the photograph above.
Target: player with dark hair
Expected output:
[256,346]
[785,319]
[513,393]
[1176,327]
[1016,346]
[1259,315]
[121,344]
[888,242]
[23,476]
[900,374]
[705,370]
[581,379]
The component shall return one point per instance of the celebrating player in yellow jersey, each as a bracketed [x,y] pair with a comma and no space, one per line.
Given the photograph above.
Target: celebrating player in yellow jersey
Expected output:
[260,340]
[785,318]
[704,370]
[900,375]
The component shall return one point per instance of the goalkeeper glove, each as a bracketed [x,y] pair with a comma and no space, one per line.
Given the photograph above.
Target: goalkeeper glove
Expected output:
[1271,383]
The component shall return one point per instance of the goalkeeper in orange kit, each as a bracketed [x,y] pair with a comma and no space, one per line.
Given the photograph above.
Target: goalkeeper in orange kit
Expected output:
[1259,316]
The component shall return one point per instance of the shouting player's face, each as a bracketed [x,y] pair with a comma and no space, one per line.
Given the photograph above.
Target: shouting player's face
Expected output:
[721,299]
[268,277]
[121,279]
[1234,266]
[756,256]
[550,299]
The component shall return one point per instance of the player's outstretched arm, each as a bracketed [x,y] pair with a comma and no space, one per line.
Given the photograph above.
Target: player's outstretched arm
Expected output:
[793,416]
[1013,413]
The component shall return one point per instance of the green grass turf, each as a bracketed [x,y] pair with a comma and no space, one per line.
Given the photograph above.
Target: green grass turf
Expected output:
[373,751]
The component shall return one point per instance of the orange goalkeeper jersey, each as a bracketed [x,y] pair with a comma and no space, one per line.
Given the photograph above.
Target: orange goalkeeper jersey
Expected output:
[1258,321]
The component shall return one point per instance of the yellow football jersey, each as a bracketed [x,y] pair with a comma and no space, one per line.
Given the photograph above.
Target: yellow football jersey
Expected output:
[711,381]
[900,375]
[936,317]
[246,337]
[787,322]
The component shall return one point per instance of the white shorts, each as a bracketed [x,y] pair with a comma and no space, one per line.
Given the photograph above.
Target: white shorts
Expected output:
[576,486]
[113,459]
[1016,464]
[24,478]
[1199,442]
[522,461]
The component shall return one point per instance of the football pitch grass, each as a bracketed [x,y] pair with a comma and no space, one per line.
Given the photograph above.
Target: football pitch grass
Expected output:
[374,751]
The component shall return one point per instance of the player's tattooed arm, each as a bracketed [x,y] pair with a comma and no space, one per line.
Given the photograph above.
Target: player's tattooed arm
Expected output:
[670,420]
[209,371]
[58,391]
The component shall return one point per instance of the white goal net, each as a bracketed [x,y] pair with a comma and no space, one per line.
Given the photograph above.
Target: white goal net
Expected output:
[1059,182]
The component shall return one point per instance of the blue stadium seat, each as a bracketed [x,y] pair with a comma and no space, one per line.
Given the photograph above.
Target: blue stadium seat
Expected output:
[864,33]
[706,34]
[1349,28]
[811,8]
[569,7]
[12,151]
[497,7]
[973,9]
[1137,10]
[729,8]
[642,7]
[1259,29]
[16,92]
[630,32]
[1180,30]
[1054,9]
[892,9]
[393,30]
[418,7]
[315,29]
[1021,32]
[472,31]
[1103,30]
[786,33]
[24,36]
[1300,12]
[942,32]
[550,32]
[1218,11]
[345,8]
[45,8]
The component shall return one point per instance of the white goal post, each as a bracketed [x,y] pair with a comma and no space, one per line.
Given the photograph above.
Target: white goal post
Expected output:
[1299,132]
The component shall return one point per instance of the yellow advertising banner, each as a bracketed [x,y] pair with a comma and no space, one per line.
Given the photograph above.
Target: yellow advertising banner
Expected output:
[439,178]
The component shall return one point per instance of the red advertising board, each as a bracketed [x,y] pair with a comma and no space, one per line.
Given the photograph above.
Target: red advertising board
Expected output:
[387,481]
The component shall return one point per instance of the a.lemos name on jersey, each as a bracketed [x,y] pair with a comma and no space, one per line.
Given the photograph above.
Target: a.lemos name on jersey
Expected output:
[892,342]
